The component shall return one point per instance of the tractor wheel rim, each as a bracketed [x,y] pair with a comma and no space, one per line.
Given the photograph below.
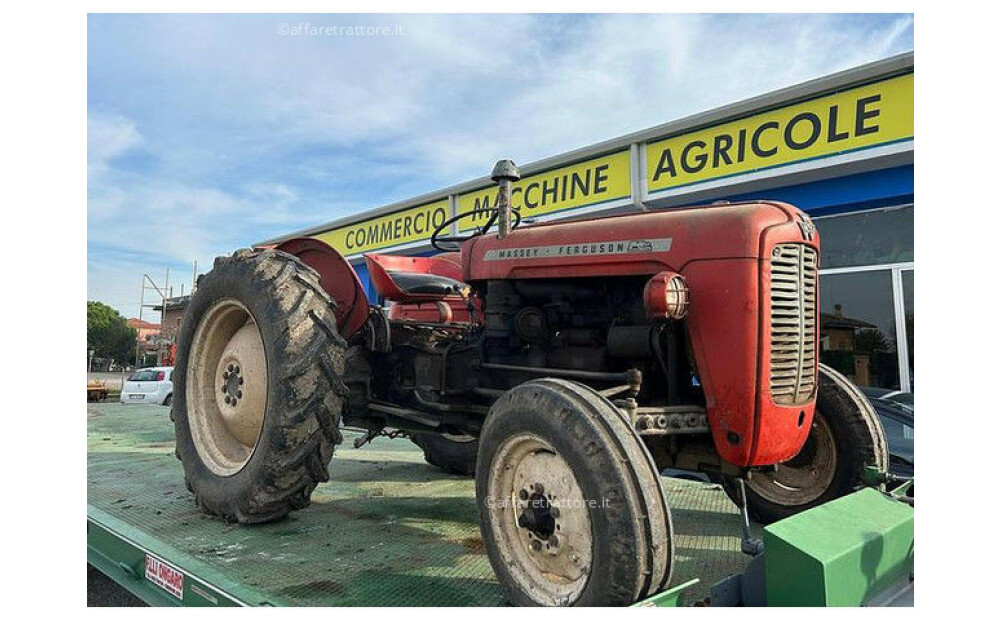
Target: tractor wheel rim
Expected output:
[226,387]
[540,520]
[806,476]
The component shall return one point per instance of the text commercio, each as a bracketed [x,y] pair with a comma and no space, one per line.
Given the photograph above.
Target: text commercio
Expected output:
[395,229]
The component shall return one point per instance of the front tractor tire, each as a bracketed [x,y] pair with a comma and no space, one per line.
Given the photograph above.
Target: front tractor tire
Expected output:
[571,508]
[257,387]
[846,437]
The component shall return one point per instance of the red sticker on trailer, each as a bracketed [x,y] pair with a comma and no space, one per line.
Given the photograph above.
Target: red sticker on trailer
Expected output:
[165,576]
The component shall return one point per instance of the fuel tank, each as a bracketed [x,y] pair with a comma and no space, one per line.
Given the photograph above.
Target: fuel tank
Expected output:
[753,319]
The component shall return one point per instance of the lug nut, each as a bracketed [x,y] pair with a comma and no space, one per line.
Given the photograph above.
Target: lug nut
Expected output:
[227,399]
[237,370]
[536,545]
[522,494]
[241,380]
[554,540]
[229,368]
[539,488]
[554,512]
[239,393]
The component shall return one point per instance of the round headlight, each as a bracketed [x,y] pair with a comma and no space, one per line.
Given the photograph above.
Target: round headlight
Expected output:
[667,296]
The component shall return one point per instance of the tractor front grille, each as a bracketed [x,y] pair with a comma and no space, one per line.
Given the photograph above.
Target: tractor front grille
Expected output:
[793,323]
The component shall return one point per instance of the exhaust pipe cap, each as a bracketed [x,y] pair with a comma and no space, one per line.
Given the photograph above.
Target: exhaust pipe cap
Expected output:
[505,169]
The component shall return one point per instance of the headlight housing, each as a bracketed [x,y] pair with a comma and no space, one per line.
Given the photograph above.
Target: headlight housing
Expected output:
[667,296]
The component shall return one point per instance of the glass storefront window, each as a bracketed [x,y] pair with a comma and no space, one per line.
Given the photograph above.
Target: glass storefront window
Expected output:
[858,327]
[868,238]
[907,277]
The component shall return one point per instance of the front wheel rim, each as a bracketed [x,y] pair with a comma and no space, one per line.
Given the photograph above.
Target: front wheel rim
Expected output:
[226,393]
[540,520]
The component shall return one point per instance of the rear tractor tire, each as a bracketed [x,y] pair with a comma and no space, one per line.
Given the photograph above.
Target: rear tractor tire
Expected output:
[846,437]
[571,508]
[257,387]
[453,454]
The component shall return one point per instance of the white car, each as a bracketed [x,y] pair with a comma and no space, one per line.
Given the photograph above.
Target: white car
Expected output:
[149,385]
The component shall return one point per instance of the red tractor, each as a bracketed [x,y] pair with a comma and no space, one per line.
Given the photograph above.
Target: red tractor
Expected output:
[565,365]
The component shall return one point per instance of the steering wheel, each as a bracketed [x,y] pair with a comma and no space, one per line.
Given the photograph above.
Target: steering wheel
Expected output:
[453,243]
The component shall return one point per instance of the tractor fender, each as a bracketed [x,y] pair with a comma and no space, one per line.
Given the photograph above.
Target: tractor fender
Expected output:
[337,277]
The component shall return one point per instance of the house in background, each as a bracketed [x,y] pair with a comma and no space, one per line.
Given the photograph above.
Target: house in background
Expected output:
[144,329]
[172,313]
[838,342]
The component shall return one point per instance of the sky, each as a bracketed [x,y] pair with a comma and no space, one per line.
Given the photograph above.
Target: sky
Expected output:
[209,133]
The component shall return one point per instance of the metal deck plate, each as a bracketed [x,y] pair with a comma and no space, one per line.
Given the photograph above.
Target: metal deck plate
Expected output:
[388,529]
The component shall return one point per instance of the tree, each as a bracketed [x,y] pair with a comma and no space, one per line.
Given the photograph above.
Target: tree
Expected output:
[872,340]
[108,334]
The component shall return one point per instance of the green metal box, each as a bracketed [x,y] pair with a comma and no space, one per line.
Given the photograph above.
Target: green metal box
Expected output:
[839,554]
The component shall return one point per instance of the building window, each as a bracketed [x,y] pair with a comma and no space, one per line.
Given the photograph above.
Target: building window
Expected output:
[907,280]
[858,327]
[866,296]
[876,237]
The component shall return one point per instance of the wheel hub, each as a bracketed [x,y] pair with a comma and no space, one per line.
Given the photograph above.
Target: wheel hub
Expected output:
[233,384]
[539,516]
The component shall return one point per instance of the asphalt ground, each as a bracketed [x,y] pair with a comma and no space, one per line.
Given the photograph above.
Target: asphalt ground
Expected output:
[104,592]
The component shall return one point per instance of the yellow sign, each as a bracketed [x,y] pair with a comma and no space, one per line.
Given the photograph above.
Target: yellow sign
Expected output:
[408,225]
[584,184]
[861,117]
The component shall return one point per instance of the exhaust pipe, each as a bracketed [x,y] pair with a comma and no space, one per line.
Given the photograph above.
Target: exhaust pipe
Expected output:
[504,174]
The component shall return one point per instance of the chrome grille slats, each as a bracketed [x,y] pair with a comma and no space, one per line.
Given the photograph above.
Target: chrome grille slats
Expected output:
[793,268]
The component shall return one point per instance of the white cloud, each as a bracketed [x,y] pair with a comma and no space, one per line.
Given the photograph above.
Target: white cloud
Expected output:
[108,137]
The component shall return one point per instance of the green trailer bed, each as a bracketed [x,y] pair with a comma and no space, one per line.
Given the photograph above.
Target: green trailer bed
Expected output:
[388,529]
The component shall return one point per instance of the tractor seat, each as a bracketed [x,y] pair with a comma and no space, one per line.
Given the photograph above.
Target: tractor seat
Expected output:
[426,284]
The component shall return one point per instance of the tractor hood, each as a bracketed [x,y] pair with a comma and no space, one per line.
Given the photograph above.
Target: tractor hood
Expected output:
[634,244]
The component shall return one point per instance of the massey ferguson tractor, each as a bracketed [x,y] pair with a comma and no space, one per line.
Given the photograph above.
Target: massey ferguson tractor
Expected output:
[565,365]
